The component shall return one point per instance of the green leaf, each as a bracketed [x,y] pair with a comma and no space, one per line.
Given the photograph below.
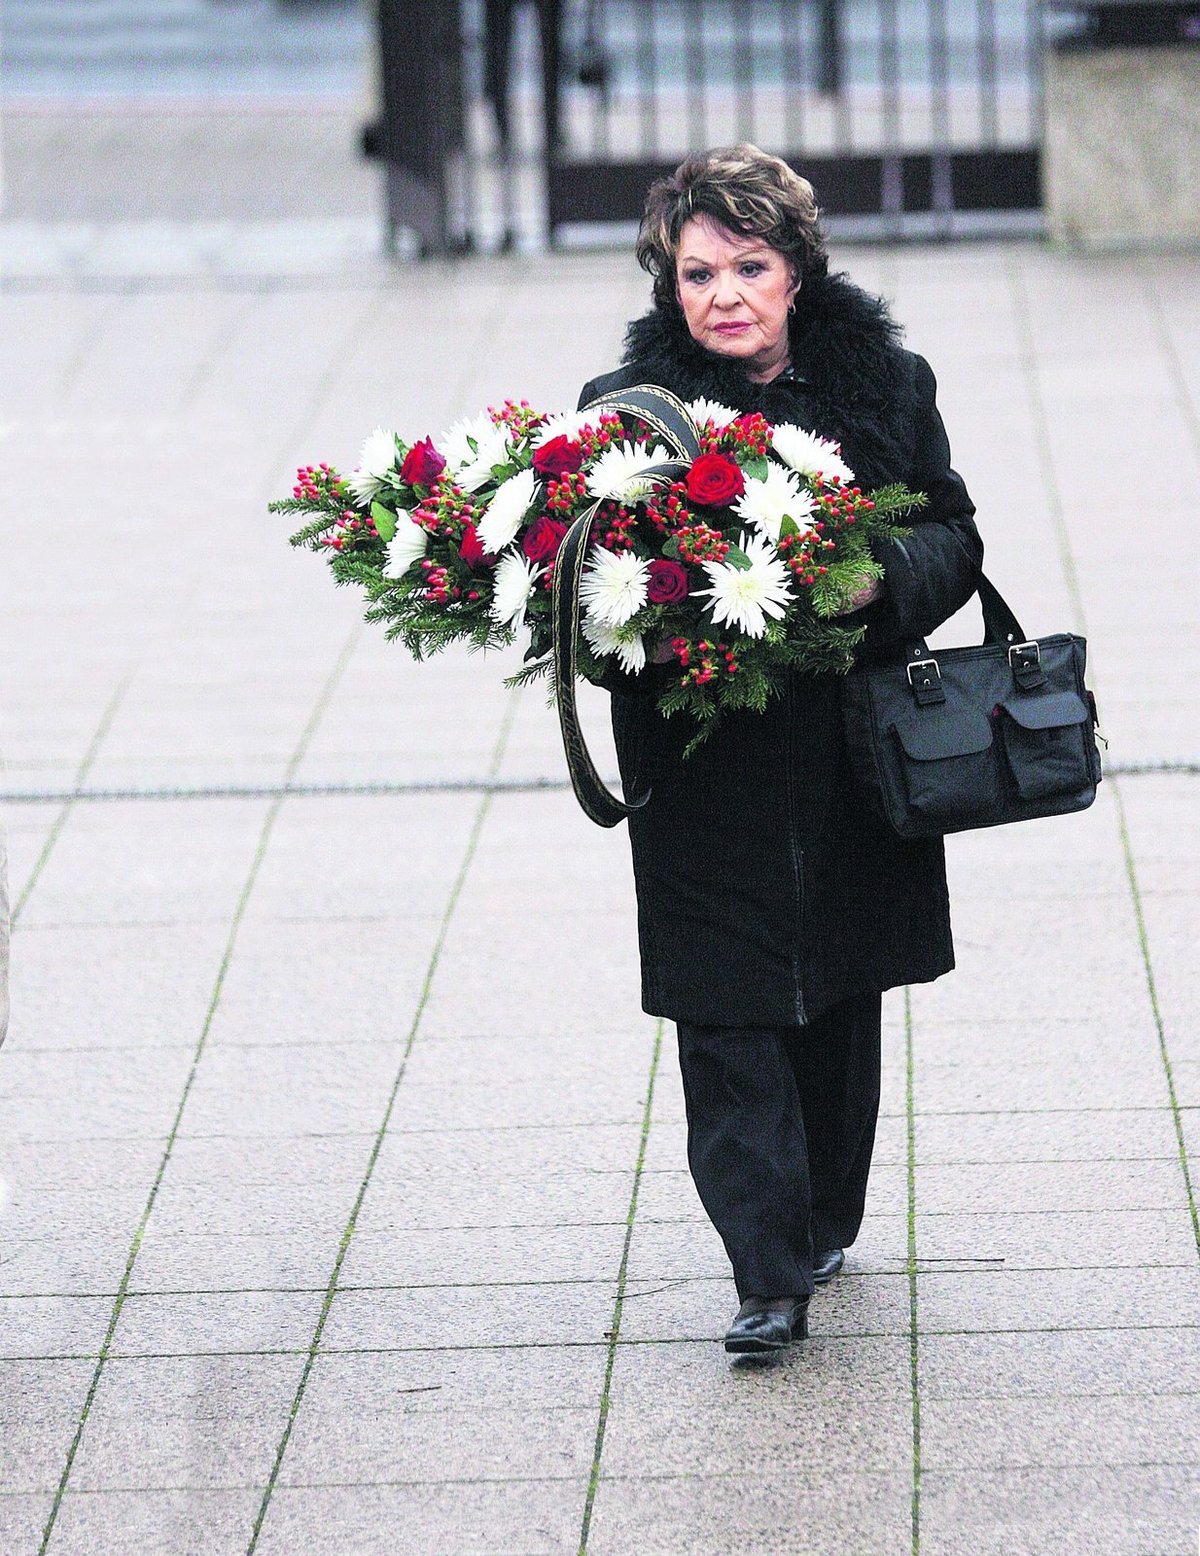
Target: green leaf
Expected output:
[385,521]
[788,527]
[756,466]
[670,548]
[736,557]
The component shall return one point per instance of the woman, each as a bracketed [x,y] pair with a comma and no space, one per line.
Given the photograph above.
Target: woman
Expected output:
[773,906]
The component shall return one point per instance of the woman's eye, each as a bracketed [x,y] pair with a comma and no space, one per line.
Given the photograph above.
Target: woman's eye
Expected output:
[696,277]
[752,267]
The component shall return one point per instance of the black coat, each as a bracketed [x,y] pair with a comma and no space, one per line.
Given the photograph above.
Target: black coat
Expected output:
[766,889]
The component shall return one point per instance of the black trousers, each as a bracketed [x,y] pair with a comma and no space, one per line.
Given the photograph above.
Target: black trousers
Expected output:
[781,1125]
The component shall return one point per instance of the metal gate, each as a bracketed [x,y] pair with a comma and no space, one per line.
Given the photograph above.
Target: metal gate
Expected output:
[908,116]
[911,117]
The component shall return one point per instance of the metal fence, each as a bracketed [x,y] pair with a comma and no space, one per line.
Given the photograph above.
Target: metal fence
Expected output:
[909,116]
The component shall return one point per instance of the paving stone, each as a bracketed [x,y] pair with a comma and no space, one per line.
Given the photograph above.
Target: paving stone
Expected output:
[434,1318]
[1046,1134]
[1057,1239]
[1005,1300]
[482,1255]
[222,1261]
[185,1420]
[1102,1361]
[1048,1512]
[40,1405]
[23,1518]
[148,1521]
[196,1323]
[52,1326]
[106,1093]
[1060,1433]
[693,1515]
[519,1517]
[1060,1185]
[114,986]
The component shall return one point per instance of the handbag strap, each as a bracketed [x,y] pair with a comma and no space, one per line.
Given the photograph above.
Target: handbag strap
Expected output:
[999,623]
[671,421]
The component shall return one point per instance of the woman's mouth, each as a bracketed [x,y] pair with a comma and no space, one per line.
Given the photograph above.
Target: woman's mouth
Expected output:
[730,328]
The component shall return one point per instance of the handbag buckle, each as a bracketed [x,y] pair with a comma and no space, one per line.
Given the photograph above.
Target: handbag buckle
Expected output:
[927,686]
[1025,660]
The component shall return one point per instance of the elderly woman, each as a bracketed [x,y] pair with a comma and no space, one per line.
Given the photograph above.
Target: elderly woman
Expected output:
[773,906]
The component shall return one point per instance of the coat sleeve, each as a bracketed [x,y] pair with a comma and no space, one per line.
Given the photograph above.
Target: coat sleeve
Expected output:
[931,572]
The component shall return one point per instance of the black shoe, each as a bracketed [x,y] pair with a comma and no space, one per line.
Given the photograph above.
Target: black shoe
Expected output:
[765,1324]
[826,1265]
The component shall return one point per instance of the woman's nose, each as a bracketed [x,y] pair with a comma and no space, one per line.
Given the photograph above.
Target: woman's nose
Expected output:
[727,293]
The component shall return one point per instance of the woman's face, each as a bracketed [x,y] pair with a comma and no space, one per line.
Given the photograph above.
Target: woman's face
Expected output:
[735,293]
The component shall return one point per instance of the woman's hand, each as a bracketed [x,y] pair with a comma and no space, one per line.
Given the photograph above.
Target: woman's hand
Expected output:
[863,597]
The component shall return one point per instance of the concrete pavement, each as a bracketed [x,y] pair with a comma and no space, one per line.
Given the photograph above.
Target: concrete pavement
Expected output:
[347,1202]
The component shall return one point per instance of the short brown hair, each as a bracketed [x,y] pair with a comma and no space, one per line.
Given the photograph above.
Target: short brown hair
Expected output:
[747,190]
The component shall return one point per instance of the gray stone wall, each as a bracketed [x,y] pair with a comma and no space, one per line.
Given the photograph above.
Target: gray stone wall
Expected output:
[1122,147]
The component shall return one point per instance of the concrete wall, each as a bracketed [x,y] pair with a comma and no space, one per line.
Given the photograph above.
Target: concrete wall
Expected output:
[1122,147]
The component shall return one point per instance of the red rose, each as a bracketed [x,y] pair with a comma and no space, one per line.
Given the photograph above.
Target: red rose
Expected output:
[470,548]
[543,539]
[714,481]
[422,464]
[668,582]
[558,457]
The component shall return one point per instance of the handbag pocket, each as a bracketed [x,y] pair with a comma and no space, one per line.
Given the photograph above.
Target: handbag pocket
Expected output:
[948,763]
[1045,743]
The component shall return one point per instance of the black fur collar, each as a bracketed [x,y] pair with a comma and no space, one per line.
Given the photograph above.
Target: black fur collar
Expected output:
[845,343]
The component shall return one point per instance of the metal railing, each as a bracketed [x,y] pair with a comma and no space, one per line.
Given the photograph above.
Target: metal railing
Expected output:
[909,116]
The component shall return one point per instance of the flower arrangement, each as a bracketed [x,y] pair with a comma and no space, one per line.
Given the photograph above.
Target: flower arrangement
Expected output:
[726,572]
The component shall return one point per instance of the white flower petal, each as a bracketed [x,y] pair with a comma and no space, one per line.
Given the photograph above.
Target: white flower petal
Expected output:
[376,458]
[617,472]
[809,454]
[471,467]
[745,596]
[711,410]
[565,424]
[631,654]
[511,502]
[613,587]
[512,588]
[777,496]
[406,546]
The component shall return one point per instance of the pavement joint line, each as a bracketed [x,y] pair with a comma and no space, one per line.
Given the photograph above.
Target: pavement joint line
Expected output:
[614,1333]
[340,354]
[322,702]
[85,766]
[1166,341]
[899,1332]
[331,1288]
[913,1327]
[217,347]
[1156,1009]
[541,784]
[1058,517]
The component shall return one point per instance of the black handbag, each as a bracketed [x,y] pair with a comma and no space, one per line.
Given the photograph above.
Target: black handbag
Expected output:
[947,740]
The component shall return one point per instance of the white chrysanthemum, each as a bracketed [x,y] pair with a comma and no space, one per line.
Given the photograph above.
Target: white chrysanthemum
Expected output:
[630,655]
[563,424]
[512,501]
[471,466]
[613,587]
[512,588]
[711,410]
[809,454]
[406,546]
[619,472]
[745,596]
[375,459]
[777,496]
